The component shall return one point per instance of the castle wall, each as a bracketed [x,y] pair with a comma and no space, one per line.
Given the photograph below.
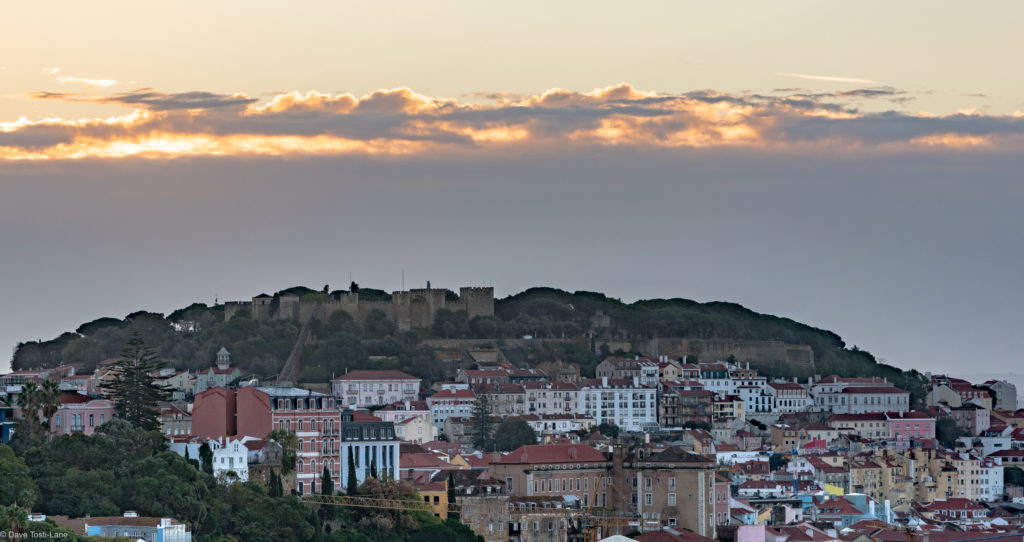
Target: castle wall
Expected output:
[721,349]
[407,309]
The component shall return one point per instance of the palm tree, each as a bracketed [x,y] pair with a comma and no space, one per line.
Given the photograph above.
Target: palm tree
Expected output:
[28,400]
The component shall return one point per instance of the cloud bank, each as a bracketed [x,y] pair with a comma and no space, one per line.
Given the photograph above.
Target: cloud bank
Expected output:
[400,122]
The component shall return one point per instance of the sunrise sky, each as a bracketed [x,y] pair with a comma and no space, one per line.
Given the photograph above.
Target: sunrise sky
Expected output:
[856,167]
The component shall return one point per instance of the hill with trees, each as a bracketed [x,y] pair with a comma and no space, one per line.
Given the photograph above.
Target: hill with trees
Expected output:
[561,324]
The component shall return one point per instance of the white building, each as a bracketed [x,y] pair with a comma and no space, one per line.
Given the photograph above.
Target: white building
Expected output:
[622,402]
[230,457]
[551,398]
[446,403]
[370,388]
[219,376]
[416,429]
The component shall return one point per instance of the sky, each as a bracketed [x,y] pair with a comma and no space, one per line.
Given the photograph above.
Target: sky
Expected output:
[855,167]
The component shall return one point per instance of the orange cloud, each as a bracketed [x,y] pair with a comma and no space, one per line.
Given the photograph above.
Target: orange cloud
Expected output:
[400,121]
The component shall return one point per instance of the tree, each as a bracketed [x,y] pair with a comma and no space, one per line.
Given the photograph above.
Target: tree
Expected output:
[39,404]
[133,391]
[16,484]
[289,448]
[513,434]
[482,423]
[326,483]
[352,484]
[378,324]
[373,468]
[947,431]
[451,494]
[1013,476]
[206,455]
[609,430]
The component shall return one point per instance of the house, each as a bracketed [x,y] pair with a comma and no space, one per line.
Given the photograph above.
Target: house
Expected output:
[551,398]
[132,526]
[416,429]
[374,387]
[80,413]
[230,456]
[174,421]
[6,423]
[559,469]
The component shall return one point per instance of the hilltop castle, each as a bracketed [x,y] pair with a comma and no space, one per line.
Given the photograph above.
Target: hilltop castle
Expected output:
[407,309]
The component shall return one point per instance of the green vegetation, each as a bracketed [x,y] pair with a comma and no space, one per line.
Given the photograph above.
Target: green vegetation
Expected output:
[512,434]
[132,388]
[123,467]
[947,431]
[189,338]
[1013,476]
[482,424]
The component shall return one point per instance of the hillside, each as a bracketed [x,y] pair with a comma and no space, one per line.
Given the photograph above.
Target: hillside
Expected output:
[577,327]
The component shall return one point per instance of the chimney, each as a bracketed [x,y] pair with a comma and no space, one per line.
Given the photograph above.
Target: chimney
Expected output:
[604,381]
[407,405]
[636,381]
[572,452]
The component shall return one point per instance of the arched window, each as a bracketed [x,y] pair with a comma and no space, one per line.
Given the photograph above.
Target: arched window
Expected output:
[312,466]
[299,467]
[312,445]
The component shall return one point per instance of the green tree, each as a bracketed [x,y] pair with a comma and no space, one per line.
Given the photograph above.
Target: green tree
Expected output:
[206,457]
[326,482]
[482,423]
[378,324]
[38,405]
[450,486]
[609,430]
[16,484]
[947,431]
[352,484]
[513,434]
[1013,476]
[289,446]
[133,391]
[373,468]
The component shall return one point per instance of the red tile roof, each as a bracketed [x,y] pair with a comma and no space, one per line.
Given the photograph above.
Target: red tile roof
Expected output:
[376,375]
[557,453]
[453,394]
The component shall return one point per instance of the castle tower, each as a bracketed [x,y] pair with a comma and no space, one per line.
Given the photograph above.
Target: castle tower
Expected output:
[477,301]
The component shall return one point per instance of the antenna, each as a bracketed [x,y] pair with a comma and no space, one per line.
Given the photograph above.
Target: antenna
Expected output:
[403,280]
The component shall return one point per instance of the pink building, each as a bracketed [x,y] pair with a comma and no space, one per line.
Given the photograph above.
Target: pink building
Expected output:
[80,413]
[370,388]
[904,426]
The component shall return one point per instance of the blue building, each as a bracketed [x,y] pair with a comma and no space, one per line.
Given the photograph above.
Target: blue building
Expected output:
[6,422]
[132,526]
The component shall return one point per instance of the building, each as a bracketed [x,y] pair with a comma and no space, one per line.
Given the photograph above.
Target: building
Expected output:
[416,429]
[221,375]
[825,392]
[647,370]
[137,528]
[1004,394]
[505,399]
[451,402]
[556,470]
[790,397]
[971,418]
[80,414]
[675,488]
[327,435]
[230,456]
[483,504]
[174,421]
[6,423]
[551,398]
[372,388]
[622,402]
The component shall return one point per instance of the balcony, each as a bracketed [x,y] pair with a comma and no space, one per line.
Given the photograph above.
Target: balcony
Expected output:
[77,428]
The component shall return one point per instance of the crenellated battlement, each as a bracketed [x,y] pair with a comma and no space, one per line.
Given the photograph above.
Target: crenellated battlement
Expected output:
[408,309]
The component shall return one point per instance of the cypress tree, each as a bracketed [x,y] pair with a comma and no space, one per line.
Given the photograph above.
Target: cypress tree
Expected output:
[326,483]
[373,468]
[352,485]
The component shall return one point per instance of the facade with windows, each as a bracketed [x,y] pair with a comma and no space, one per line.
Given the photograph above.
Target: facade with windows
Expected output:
[80,413]
[622,402]
[373,388]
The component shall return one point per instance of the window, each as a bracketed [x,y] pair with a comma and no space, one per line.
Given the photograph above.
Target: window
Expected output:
[671,499]
[647,499]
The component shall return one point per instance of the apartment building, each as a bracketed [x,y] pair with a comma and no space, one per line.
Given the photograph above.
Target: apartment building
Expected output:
[374,387]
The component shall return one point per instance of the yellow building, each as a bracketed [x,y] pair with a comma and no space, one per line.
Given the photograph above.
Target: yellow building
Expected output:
[436,495]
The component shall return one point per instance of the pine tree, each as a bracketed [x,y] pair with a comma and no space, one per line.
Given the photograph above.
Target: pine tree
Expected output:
[482,424]
[352,485]
[326,483]
[133,391]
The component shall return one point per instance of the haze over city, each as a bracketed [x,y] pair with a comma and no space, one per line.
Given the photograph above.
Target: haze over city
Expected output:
[852,167]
